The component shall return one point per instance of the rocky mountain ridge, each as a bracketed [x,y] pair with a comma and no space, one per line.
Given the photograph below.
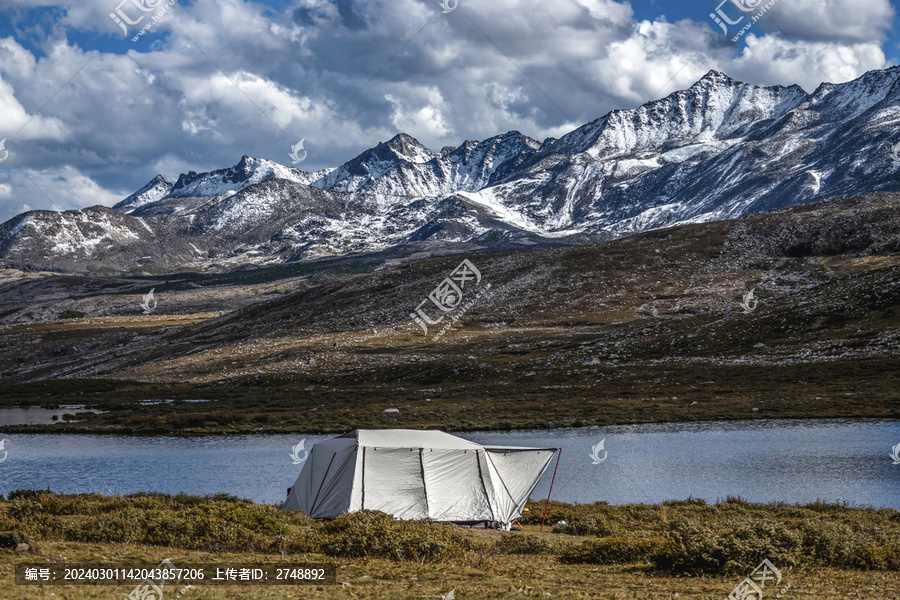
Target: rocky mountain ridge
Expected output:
[720,149]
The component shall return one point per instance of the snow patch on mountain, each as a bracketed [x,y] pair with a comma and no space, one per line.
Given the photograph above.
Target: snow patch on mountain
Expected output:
[157,189]
[720,149]
[249,171]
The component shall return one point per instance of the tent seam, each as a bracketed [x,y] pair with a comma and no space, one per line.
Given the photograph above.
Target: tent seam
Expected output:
[312,508]
[424,482]
[484,488]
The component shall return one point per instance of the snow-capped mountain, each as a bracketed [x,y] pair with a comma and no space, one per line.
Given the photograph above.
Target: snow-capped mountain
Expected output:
[720,149]
[156,190]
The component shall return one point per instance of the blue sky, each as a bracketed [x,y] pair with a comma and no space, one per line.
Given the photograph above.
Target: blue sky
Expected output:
[91,114]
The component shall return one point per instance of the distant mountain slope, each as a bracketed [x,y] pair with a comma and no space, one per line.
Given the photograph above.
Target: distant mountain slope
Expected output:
[720,149]
[664,305]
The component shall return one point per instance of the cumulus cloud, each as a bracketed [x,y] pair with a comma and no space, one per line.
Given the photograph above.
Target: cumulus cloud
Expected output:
[64,188]
[769,60]
[853,21]
[225,78]
[16,119]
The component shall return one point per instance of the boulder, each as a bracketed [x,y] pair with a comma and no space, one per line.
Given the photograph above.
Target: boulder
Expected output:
[17,541]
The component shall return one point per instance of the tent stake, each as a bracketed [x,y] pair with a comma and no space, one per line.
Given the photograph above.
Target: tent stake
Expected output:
[546,506]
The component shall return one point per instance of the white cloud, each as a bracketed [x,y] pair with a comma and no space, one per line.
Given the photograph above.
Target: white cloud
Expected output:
[769,60]
[63,188]
[345,74]
[853,21]
[17,122]
[426,116]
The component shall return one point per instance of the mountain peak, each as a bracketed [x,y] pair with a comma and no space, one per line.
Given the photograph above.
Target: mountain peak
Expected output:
[409,148]
[717,150]
[716,78]
[247,171]
[248,164]
[154,190]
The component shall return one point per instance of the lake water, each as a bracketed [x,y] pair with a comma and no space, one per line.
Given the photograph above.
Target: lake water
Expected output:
[761,461]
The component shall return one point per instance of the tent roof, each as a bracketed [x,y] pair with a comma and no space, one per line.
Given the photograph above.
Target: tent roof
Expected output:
[410,438]
[493,448]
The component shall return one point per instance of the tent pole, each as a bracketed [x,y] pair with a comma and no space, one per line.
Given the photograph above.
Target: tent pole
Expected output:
[546,506]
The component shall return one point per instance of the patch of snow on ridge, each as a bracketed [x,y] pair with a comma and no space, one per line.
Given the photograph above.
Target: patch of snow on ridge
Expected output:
[67,236]
[249,171]
[157,189]
[486,200]
[816,181]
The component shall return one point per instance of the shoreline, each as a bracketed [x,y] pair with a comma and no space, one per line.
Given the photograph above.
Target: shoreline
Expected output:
[54,429]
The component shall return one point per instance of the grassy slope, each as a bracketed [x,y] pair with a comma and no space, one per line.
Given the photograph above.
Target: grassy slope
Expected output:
[657,314]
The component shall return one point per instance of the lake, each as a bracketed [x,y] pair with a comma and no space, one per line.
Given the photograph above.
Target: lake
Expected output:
[761,461]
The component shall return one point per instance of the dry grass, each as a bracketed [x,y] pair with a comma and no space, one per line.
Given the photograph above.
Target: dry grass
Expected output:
[473,577]
[476,563]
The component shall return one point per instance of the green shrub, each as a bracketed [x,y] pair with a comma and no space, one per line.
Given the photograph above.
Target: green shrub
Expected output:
[879,558]
[556,511]
[746,544]
[375,534]
[831,544]
[732,547]
[643,514]
[691,501]
[679,537]
[26,494]
[588,525]
[219,523]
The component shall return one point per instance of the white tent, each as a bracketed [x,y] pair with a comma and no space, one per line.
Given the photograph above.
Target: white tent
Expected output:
[418,475]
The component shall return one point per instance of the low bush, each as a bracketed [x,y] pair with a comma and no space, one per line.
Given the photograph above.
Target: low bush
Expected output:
[727,548]
[216,524]
[879,557]
[597,525]
[688,537]
[375,534]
